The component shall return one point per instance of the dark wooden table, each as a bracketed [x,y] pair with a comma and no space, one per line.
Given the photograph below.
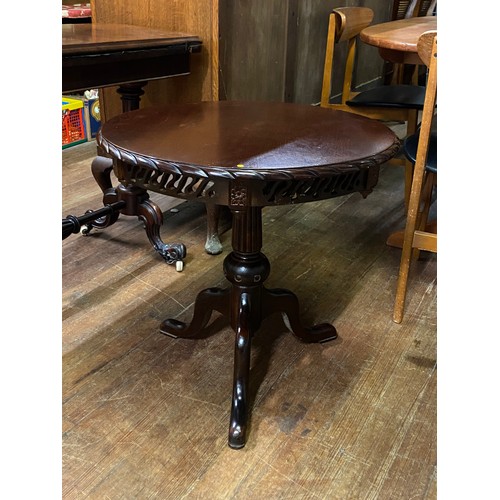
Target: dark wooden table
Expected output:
[102,55]
[244,156]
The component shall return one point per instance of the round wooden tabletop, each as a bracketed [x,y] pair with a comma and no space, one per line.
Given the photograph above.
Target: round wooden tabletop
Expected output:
[401,35]
[246,138]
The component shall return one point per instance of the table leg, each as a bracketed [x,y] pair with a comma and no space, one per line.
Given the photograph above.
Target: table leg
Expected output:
[130,94]
[101,170]
[218,220]
[246,303]
[134,201]
[152,216]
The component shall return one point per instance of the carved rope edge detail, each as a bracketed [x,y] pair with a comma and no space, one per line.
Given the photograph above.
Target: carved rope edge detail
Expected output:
[265,175]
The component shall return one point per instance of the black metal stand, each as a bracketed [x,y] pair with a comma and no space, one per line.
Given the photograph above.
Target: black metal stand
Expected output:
[73,225]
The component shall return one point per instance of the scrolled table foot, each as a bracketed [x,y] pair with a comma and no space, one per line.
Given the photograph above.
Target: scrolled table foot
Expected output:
[208,300]
[286,302]
[172,253]
[152,216]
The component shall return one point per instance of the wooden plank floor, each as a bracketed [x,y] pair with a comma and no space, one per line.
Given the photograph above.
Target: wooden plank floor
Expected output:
[146,416]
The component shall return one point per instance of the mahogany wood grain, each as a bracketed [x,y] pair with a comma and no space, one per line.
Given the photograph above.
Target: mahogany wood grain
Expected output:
[243,139]
[96,38]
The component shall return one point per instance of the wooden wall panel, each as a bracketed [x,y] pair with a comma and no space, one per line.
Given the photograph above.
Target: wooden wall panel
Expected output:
[370,66]
[311,32]
[274,49]
[252,49]
[197,17]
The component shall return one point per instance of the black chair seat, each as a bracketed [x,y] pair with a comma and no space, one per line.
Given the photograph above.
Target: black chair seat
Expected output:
[391,96]
[410,145]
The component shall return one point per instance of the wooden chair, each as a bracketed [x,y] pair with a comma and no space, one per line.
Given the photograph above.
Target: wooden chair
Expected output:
[386,102]
[403,9]
[420,148]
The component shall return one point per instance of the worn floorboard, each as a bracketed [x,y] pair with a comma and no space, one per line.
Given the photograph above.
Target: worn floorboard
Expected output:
[146,416]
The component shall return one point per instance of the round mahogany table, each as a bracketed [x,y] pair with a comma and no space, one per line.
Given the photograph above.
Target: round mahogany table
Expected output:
[245,155]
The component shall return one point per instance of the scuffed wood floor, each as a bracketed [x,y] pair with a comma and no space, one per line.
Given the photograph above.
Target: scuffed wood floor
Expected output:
[146,416]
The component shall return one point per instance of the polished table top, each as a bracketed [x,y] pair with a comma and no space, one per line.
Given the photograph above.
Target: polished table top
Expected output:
[397,40]
[95,38]
[230,139]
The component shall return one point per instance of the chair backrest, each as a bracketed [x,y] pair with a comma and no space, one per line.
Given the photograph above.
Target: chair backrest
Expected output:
[426,49]
[403,9]
[350,21]
[345,25]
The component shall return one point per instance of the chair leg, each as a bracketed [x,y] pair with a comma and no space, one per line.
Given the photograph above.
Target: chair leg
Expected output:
[411,128]
[425,205]
[411,224]
[408,181]
[428,185]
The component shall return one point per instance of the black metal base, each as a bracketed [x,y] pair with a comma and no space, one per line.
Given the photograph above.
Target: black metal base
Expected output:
[73,225]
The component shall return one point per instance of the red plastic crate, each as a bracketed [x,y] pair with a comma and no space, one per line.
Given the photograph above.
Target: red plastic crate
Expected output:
[73,128]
